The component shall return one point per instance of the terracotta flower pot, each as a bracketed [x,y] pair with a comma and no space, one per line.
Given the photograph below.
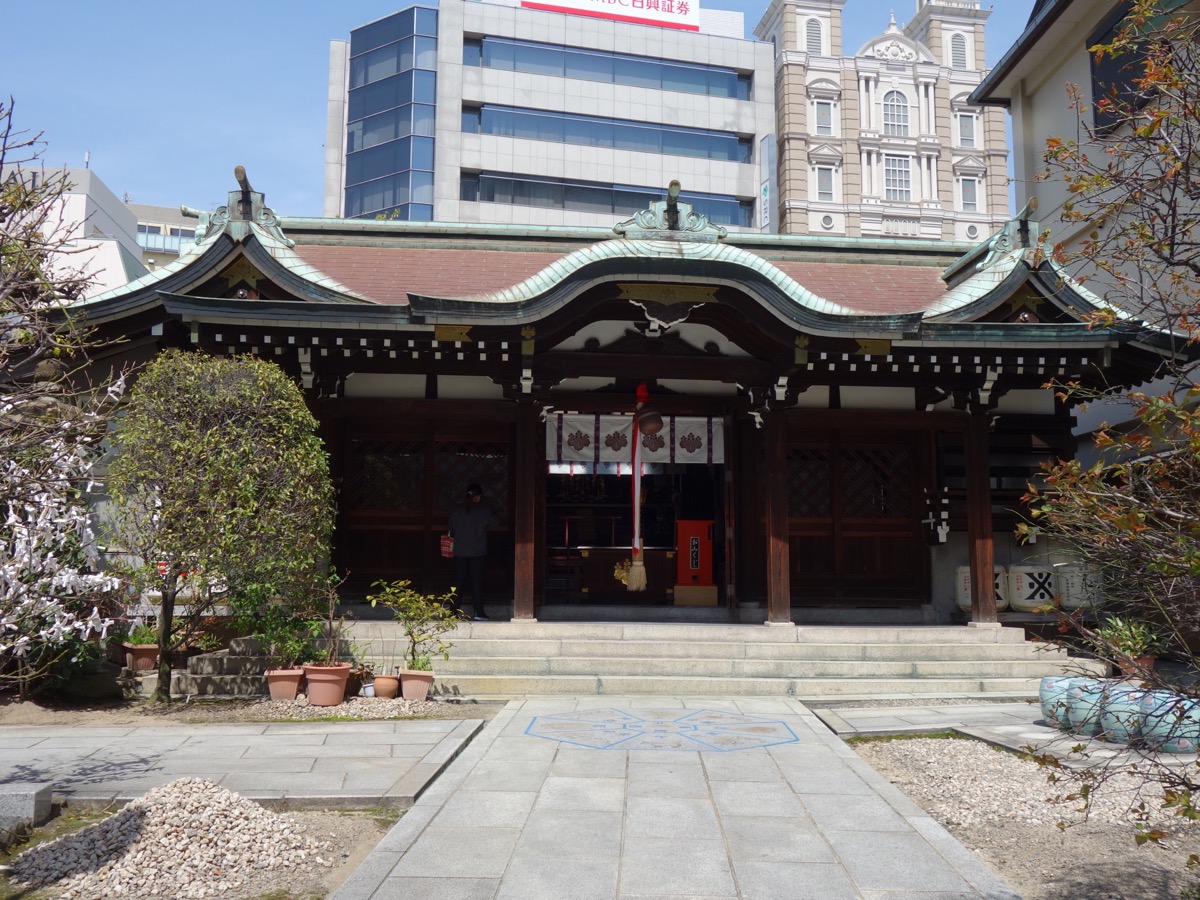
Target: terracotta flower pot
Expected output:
[284,684]
[1135,666]
[387,686]
[141,657]
[326,684]
[414,684]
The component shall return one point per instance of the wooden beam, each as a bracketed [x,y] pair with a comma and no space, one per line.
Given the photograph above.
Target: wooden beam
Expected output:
[527,459]
[774,482]
[579,364]
[979,519]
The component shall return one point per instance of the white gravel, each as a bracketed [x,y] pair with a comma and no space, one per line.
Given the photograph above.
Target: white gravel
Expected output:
[189,838]
[1002,807]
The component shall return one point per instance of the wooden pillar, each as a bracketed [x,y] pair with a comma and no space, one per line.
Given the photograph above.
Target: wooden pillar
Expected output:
[774,483]
[979,519]
[527,459]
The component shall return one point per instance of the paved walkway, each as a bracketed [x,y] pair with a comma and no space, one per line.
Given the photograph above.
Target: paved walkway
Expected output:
[636,797]
[293,764]
[607,797]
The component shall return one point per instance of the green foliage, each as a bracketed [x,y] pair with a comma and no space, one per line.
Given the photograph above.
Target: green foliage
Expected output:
[329,633]
[423,618]
[1122,637]
[207,642]
[220,477]
[286,636]
[142,634]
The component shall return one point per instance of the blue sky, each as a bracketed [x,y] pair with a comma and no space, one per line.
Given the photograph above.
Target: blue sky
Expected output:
[168,97]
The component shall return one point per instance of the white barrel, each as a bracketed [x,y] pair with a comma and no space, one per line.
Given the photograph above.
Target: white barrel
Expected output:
[962,593]
[1078,586]
[1031,588]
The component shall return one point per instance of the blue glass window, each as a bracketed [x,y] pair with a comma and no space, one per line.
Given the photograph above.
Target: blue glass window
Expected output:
[375,196]
[393,89]
[385,159]
[385,31]
[595,131]
[423,119]
[427,21]
[424,86]
[422,187]
[422,153]
[491,187]
[613,68]
[386,94]
[380,129]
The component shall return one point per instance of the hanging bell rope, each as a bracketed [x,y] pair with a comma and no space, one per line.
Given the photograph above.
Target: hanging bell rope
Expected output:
[648,421]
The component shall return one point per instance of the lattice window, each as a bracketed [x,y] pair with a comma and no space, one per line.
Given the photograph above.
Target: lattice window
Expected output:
[385,475]
[877,483]
[897,178]
[809,484]
[461,463]
[895,113]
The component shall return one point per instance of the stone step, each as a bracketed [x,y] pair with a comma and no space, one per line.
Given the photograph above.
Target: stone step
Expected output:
[184,684]
[505,659]
[487,647]
[224,664]
[246,646]
[510,686]
[739,668]
[691,632]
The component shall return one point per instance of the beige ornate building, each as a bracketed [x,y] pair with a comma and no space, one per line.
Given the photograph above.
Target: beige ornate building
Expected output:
[882,141]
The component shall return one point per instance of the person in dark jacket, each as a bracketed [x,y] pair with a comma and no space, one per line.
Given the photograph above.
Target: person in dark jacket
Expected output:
[469,523]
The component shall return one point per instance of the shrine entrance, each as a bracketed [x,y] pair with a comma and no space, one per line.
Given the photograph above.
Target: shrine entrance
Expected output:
[589,512]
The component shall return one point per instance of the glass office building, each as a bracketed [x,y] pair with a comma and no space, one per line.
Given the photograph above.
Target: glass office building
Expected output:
[487,112]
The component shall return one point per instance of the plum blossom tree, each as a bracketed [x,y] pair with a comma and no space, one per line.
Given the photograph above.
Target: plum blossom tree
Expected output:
[51,426]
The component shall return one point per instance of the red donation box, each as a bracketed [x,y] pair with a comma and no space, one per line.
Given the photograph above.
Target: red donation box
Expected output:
[694,551]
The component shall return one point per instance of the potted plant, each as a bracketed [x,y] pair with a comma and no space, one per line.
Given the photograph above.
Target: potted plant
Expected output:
[1132,644]
[387,680]
[286,640]
[423,619]
[141,647]
[362,674]
[327,674]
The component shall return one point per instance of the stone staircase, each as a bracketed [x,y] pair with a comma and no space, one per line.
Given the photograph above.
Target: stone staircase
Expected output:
[495,660]
[233,673]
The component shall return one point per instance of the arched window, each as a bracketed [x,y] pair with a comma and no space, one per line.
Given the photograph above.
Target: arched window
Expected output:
[812,36]
[895,113]
[958,52]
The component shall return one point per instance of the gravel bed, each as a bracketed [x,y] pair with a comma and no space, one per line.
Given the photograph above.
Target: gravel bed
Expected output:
[1002,807]
[366,708]
[215,711]
[189,838]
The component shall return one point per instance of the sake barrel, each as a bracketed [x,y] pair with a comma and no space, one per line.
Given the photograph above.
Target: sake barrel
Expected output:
[962,593]
[1030,588]
[1078,586]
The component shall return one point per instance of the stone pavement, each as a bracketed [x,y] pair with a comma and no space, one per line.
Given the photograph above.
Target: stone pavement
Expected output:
[641,797]
[608,797]
[1017,726]
[292,764]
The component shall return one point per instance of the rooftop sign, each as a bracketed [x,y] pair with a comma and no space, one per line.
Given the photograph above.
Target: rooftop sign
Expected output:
[682,14]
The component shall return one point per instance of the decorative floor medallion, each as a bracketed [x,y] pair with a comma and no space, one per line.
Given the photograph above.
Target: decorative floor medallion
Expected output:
[661,729]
